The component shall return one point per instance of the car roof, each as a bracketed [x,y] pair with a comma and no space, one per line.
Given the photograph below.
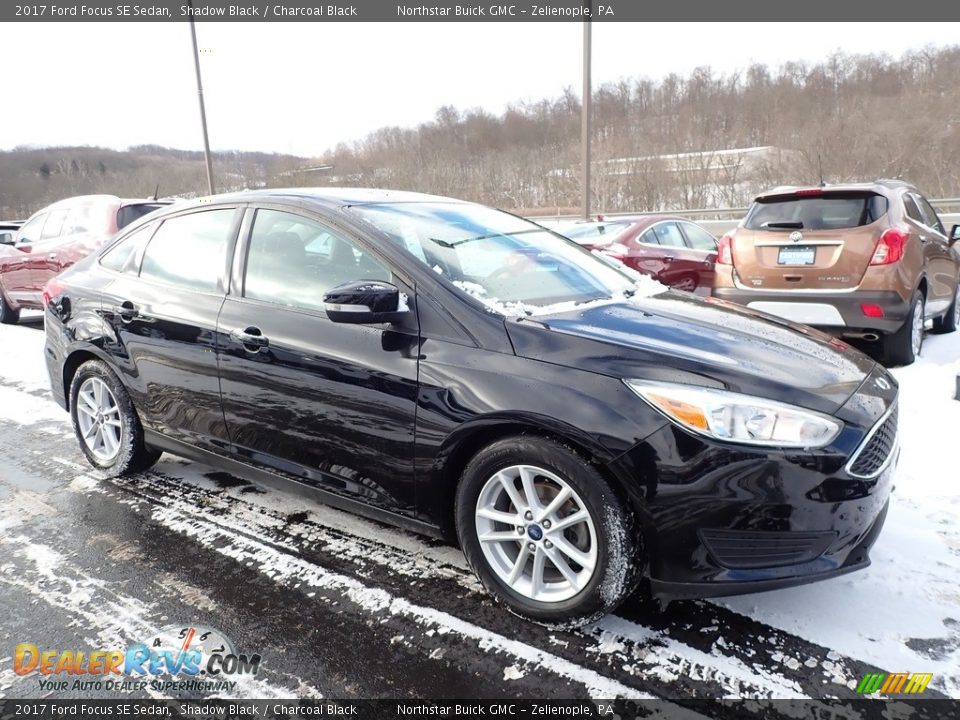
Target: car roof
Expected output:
[881,187]
[336,196]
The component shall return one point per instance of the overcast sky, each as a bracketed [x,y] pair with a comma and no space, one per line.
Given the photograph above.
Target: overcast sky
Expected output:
[302,88]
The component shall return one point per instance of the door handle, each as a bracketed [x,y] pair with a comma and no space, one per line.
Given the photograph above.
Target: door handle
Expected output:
[127,311]
[52,256]
[668,259]
[251,338]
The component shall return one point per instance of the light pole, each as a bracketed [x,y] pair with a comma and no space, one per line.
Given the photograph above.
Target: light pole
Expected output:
[585,119]
[203,112]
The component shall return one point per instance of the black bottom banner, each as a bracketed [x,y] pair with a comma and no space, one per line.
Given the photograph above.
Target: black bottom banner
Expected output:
[892,709]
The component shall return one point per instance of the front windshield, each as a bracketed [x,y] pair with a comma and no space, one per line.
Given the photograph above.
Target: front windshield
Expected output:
[511,264]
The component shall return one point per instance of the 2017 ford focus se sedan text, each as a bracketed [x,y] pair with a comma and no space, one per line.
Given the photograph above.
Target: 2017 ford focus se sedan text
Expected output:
[466,373]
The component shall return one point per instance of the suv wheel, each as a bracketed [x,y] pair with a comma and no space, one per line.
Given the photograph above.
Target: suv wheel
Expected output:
[903,346]
[8,316]
[951,318]
[545,533]
[106,423]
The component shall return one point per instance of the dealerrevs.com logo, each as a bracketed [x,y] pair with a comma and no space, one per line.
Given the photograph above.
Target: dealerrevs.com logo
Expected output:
[195,658]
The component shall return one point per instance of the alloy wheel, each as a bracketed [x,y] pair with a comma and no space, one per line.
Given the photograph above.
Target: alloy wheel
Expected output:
[536,533]
[98,416]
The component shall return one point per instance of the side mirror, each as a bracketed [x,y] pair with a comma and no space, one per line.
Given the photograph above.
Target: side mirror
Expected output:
[365,302]
[954,234]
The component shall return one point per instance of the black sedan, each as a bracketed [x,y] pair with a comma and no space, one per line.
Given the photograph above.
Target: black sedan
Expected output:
[465,373]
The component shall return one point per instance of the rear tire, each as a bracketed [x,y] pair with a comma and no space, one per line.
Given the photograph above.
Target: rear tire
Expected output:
[106,423]
[951,318]
[8,316]
[903,346]
[539,545]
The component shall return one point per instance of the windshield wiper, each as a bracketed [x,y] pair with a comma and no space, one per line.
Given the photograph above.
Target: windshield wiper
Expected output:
[455,243]
[785,224]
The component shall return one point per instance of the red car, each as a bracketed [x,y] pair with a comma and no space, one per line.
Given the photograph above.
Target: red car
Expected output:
[675,251]
[54,239]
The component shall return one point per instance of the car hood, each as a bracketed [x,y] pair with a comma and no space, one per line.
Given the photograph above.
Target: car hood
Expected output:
[677,337]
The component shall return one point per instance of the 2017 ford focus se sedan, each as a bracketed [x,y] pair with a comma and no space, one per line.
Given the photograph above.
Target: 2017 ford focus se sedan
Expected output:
[465,373]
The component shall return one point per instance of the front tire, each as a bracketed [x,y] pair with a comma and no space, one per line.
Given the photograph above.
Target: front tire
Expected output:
[8,316]
[545,533]
[903,346]
[106,423]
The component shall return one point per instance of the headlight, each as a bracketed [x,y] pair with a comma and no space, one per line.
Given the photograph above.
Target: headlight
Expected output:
[737,418]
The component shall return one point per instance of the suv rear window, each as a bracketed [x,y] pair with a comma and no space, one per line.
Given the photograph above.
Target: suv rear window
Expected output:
[128,213]
[834,211]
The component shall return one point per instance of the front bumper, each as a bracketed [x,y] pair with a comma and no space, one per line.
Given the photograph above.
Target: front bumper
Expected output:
[838,313]
[857,559]
[722,520]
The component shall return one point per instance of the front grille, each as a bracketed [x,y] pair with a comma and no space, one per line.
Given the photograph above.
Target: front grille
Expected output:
[754,549]
[874,453]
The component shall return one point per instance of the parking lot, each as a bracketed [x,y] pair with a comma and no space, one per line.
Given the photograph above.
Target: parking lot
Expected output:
[339,606]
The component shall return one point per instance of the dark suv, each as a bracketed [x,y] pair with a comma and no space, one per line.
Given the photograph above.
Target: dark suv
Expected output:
[868,260]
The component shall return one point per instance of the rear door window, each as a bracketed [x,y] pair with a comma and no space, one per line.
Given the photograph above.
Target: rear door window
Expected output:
[190,250]
[930,217]
[125,255]
[649,237]
[699,238]
[913,211]
[669,235]
[835,211]
[54,224]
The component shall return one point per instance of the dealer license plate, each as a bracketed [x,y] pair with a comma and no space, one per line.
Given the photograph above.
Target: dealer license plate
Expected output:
[797,255]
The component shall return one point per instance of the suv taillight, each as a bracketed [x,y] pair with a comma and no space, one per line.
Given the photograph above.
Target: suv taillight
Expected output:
[51,290]
[890,246]
[725,249]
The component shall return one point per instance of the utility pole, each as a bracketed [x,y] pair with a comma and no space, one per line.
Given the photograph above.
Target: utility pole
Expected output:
[203,112]
[585,108]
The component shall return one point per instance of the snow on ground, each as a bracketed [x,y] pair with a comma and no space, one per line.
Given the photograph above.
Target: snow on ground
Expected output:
[21,363]
[911,592]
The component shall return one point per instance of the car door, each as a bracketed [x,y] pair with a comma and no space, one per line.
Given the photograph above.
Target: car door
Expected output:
[942,271]
[43,260]
[678,267]
[15,275]
[332,404]
[162,306]
[703,251]
[84,231]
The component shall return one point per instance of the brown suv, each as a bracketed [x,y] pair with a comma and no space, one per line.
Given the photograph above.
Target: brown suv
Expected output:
[866,260]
